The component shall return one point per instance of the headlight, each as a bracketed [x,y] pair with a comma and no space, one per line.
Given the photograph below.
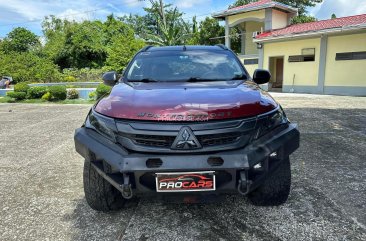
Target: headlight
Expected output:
[271,121]
[103,125]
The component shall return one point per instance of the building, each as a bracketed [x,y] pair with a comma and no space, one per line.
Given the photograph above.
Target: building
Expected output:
[322,57]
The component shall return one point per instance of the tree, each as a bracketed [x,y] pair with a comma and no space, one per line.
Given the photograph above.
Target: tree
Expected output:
[27,66]
[75,45]
[86,44]
[211,32]
[121,42]
[303,19]
[20,40]
[113,27]
[163,24]
[56,31]
[241,3]
[121,52]
[301,4]
[333,16]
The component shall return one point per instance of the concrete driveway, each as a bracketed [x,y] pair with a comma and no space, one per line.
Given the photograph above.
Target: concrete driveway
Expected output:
[41,193]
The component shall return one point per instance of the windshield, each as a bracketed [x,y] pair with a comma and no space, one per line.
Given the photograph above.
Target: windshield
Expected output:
[198,65]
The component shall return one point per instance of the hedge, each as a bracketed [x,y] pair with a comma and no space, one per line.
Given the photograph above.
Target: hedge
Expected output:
[36,92]
[92,95]
[58,92]
[17,95]
[47,96]
[72,94]
[102,90]
[21,87]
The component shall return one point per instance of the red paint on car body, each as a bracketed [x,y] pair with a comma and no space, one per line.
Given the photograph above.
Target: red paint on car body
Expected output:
[185,101]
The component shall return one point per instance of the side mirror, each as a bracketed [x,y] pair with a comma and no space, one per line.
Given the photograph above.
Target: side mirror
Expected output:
[261,76]
[110,78]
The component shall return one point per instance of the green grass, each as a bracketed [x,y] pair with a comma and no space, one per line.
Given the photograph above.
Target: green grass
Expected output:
[40,101]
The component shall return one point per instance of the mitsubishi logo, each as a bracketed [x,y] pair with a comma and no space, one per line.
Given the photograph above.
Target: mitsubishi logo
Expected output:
[186,140]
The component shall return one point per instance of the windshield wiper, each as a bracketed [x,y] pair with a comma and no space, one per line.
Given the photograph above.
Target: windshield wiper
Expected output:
[144,80]
[198,79]
[240,77]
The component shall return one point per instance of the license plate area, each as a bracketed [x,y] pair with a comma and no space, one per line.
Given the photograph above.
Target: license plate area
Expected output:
[186,181]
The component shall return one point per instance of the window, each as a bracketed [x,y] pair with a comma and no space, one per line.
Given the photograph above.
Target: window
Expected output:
[350,56]
[308,51]
[179,65]
[301,58]
[250,61]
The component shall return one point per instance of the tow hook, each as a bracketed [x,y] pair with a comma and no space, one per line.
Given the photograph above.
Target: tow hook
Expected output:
[126,187]
[244,183]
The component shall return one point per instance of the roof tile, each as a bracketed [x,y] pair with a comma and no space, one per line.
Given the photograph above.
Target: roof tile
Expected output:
[253,4]
[315,26]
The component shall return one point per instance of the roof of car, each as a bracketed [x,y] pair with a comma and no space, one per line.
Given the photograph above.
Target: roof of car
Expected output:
[183,47]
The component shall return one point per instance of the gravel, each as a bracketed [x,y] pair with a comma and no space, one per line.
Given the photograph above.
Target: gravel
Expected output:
[41,192]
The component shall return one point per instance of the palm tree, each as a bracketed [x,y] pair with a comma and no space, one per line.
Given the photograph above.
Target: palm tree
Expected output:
[171,29]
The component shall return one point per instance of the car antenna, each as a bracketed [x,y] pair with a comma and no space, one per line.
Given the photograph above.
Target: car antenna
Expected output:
[184,48]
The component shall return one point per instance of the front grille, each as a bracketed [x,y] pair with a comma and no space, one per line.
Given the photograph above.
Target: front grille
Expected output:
[167,141]
[153,140]
[219,139]
[153,137]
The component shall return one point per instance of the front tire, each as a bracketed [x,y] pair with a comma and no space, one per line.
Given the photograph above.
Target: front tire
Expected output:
[100,194]
[275,189]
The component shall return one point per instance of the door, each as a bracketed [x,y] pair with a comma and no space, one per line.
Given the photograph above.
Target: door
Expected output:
[279,73]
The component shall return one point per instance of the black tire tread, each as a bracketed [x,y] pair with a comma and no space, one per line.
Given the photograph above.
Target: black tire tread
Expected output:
[99,194]
[275,189]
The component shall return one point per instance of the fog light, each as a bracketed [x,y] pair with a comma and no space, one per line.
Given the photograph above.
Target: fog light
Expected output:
[273,154]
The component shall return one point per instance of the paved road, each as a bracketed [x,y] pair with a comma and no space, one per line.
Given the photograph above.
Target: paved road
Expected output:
[41,195]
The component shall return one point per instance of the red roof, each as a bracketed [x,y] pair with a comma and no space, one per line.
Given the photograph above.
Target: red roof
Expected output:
[315,26]
[253,4]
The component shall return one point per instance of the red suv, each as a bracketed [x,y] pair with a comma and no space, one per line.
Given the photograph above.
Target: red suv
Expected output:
[186,120]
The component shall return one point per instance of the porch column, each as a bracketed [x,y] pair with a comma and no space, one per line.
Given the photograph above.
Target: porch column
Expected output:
[261,57]
[243,36]
[227,33]
[322,62]
[260,64]
[242,39]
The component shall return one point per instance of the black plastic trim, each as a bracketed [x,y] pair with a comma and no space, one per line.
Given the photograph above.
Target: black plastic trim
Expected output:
[284,142]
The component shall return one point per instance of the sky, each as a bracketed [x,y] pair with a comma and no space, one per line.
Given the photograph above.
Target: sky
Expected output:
[29,13]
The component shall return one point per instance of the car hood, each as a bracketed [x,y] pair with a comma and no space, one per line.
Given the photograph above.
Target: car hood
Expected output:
[183,101]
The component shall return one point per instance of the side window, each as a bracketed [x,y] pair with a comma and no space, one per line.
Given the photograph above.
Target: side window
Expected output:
[135,71]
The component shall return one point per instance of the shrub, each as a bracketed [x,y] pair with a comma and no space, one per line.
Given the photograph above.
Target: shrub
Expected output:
[70,79]
[103,89]
[28,66]
[47,96]
[72,94]
[92,95]
[84,74]
[21,87]
[17,95]
[36,92]
[58,92]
